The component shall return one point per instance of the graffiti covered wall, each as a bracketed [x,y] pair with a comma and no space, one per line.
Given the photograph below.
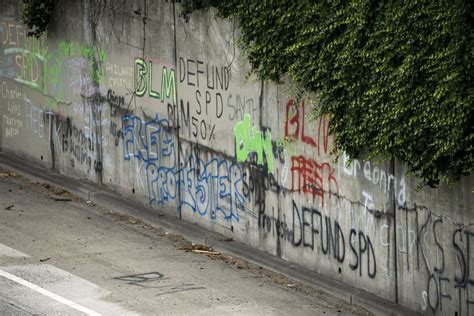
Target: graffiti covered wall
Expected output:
[132,97]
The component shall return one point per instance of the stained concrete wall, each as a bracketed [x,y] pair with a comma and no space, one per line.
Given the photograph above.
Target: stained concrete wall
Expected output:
[130,96]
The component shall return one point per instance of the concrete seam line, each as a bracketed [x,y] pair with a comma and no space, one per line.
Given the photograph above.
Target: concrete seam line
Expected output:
[47,293]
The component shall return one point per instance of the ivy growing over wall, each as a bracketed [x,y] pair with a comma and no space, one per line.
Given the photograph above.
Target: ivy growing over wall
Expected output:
[36,14]
[395,76]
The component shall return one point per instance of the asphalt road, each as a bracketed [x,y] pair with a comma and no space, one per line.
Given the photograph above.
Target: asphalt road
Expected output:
[60,255]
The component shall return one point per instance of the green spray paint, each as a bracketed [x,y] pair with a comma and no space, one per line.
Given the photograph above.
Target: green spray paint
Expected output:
[144,82]
[250,140]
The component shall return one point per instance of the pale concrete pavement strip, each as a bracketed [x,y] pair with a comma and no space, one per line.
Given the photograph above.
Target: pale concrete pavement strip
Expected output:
[95,261]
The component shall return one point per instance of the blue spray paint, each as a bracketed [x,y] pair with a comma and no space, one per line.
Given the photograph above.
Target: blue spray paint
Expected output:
[210,188]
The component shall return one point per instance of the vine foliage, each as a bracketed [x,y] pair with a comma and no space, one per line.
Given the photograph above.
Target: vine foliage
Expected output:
[36,14]
[396,77]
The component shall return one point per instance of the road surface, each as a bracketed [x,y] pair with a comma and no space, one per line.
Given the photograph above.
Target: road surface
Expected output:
[61,255]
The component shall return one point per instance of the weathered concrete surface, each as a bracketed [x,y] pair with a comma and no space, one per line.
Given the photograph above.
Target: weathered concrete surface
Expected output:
[130,97]
[117,265]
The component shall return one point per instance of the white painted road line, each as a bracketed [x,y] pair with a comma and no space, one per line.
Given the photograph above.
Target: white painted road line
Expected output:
[48,293]
[10,252]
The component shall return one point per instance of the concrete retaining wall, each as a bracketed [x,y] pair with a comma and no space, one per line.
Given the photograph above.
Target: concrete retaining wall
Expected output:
[132,97]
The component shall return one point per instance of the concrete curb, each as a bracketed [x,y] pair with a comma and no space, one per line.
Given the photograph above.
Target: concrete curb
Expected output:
[164,218]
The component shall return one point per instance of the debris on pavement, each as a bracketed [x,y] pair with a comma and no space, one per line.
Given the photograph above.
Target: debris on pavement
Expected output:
[8,174]
[61,199]
[227,239]
[206,252]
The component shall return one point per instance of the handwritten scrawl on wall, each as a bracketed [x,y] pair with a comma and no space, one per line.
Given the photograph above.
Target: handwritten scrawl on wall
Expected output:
[33,63]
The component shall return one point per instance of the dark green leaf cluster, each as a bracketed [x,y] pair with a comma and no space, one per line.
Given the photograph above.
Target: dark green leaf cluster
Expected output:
[395,76]
[36,14]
